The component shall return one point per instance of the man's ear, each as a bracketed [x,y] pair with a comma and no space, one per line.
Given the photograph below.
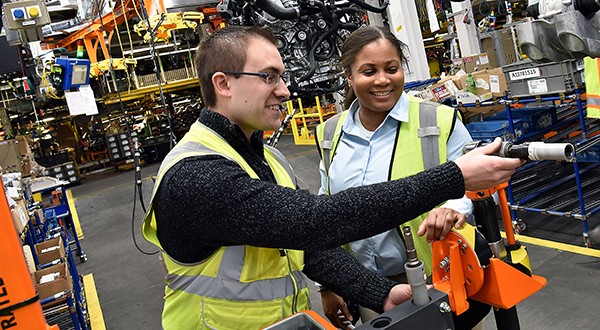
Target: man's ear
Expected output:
[221,84]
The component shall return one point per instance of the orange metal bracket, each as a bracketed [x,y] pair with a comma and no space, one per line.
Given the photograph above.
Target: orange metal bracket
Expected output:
[506,286]
[456,270]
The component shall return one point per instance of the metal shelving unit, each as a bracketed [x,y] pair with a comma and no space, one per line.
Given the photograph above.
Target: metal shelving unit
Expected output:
[66,308]
[569,190]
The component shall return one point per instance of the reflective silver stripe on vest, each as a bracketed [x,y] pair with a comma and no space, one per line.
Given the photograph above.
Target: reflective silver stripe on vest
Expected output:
[231,268]
[192,146]
[593,101]
[189,146]
[283,162]
[327,143]
[429,132]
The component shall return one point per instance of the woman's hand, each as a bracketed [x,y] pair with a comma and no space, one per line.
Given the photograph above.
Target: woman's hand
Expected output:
[439,222]
[336,310]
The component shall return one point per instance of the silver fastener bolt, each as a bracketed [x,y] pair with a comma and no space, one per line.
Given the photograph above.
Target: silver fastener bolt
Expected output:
[445,307]
[445,263]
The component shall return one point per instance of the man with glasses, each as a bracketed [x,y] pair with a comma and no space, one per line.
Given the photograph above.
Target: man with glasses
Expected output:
[234,231]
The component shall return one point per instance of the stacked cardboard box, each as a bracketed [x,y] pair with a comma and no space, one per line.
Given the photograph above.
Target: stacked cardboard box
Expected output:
[16,156]
[20,216]
[52,280]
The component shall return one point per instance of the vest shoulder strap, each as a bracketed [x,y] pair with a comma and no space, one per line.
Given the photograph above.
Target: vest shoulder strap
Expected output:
[283,161]
[326,143]
[429,133]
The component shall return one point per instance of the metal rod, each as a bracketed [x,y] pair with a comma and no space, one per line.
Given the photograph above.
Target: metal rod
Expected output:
[415,273]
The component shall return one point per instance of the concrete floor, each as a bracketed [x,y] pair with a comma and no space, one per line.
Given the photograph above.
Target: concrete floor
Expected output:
[130,283]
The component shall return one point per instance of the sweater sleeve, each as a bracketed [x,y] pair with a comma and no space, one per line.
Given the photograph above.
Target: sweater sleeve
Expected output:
[337,270]
[206,202]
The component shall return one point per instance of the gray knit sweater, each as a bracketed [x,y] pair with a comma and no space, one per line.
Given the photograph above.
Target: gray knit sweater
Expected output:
[207,202]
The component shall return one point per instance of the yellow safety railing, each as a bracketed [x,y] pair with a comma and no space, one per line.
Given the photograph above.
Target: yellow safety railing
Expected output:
[306,119]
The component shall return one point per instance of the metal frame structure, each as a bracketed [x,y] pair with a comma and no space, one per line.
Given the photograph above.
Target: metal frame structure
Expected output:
[586,139]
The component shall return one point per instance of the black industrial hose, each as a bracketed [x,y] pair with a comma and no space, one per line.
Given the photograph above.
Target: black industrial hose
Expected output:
[337,25]
[587,7]
[278,11]
[533,10]
[368,7]
[135,193]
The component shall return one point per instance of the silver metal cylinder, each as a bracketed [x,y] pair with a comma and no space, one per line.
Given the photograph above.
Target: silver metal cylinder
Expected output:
[415,274]
[551,151]
[498,249]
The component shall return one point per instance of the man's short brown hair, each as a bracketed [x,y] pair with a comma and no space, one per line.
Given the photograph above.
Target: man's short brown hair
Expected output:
[225,50]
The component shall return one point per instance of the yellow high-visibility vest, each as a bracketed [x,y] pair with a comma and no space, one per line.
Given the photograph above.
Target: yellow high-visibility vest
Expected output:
[592,86]
[237,287]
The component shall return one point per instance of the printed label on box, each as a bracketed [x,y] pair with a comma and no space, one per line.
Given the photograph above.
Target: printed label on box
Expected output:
[466,97]
[441,92]
[24,217]
[537,86]
[451,87]
[524,74]
[481,83]
[483,59]
[494,83]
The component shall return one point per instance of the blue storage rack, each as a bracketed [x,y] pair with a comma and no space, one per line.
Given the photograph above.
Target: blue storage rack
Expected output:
[551,118]
[554,196]
[69,309]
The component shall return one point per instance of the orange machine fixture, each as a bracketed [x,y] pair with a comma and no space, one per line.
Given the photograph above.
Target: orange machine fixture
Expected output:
[20,307]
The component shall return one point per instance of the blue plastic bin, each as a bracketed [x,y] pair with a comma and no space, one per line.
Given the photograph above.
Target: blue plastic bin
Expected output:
[490,129]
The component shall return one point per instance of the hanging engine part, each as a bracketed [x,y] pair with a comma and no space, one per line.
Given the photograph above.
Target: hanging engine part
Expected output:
[560,30]
[310,34]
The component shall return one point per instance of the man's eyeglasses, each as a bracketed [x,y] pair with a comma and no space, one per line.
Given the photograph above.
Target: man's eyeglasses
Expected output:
[270,78]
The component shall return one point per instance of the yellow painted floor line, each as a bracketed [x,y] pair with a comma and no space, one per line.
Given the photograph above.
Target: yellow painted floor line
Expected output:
[556,245]
[93,304]
[74,215]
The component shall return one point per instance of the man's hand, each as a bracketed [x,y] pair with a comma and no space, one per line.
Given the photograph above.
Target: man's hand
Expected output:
[336,310]
[481,170]
[439,222]
[399,294]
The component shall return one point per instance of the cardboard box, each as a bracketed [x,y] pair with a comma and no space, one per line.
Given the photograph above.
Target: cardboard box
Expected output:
[9,157]
[16,156]
[29,258]
[458,64]
[50,250]
[38,215]
[477,62]
[22,145]
[479,113]
[488,81]
[20,217]
[464,97]
[445,88]
[59,284]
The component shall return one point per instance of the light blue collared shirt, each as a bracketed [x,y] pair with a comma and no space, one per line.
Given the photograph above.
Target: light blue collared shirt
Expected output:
[363,158]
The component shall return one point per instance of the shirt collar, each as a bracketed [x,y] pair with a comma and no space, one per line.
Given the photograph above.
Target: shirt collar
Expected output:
[399,112]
